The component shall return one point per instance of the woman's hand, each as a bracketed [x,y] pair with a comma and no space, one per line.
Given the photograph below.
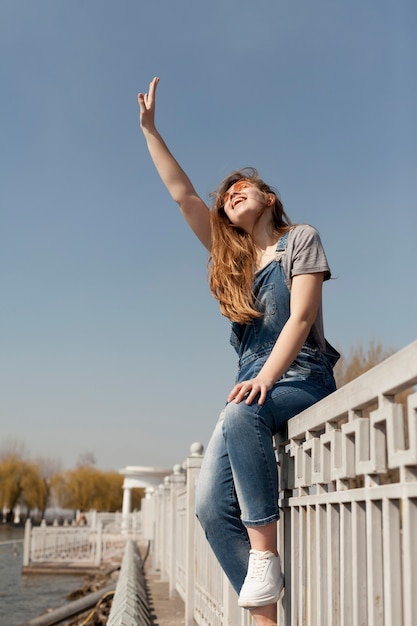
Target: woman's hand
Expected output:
[147,106]
[248,390]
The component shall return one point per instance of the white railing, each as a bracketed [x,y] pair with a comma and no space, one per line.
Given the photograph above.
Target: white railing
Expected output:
[103,538]
[348,498]
[349,494]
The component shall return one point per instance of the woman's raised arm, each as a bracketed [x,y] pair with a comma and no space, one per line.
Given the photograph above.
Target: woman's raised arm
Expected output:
[195,211]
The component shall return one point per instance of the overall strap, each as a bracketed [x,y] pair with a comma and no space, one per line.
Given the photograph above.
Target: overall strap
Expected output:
[281,246]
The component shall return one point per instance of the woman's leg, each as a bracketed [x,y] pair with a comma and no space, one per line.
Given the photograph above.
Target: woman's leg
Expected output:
[263,538]
[265,615]
[264,580]
[218,510]
[237,491]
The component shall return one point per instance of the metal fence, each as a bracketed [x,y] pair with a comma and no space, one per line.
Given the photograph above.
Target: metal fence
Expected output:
[348,494]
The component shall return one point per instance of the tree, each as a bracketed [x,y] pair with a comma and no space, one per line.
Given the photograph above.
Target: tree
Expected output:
[86,459]
[360,360]
[48,468]
[113,496]
[35,490]
[12,446]
[59,489]
[12,469]
[23,481]
[87,488]
[33,483]
[82,488]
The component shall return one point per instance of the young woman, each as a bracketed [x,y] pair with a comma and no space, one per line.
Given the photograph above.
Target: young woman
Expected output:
[267,276]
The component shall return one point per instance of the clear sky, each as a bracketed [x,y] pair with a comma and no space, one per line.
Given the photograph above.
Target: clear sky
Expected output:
[110,340]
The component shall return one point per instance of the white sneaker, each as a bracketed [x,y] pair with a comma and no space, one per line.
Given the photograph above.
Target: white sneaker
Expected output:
[264,581]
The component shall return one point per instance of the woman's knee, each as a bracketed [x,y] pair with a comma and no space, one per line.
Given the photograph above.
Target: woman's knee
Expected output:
[238,418]
[206,505]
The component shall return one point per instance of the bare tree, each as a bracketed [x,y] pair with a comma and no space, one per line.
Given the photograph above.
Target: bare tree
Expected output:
[360,360]
[86,459]
[12,446]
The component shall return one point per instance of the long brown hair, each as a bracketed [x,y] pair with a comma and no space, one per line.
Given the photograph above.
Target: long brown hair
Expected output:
[232,261]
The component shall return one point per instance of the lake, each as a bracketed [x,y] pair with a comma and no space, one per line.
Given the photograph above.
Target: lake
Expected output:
[25,597]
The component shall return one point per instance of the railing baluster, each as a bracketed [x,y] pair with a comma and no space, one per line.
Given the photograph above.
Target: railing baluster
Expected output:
[392,561]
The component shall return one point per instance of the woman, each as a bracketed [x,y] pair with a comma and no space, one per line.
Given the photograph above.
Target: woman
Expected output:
[267,276]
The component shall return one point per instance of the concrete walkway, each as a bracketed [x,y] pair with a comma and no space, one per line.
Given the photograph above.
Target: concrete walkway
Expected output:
[165,611]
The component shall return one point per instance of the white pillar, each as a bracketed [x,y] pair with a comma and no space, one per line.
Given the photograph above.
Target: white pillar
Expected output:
[127,500]
[177,483]
[126,506]
[193,469]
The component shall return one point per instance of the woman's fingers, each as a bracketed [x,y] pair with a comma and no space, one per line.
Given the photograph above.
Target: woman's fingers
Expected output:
[147,105]
[146,101]
[248,391]
[152,87]
[149,97]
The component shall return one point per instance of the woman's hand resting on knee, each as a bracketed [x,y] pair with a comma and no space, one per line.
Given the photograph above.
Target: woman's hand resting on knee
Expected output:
[248,390]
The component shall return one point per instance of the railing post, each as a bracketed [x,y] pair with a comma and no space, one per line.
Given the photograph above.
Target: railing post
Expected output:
[157,513]
[149,524]
[193,465]
[176,482]
[164,537]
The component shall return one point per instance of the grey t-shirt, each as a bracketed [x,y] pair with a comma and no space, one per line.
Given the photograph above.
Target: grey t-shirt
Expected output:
[305,255]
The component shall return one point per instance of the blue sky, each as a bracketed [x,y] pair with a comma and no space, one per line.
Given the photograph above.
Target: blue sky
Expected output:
[111,341]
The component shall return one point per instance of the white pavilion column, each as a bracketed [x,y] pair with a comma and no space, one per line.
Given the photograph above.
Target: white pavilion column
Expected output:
[126,506]
[137,477]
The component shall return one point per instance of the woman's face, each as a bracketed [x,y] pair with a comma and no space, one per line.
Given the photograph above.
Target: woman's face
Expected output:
[243,204]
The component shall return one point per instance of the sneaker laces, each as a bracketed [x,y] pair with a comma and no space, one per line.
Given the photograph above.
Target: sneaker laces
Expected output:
[258,564]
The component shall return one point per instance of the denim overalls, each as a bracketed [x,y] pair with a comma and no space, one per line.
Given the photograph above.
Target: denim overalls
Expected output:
[238,482]
[254,342]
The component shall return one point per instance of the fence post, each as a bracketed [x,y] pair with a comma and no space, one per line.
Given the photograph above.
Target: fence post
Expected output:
[149,524]
[177,480]
[193,464]
[157,513]
[164,537]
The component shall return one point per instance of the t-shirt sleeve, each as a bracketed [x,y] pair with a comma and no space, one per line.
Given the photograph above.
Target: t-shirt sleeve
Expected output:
[308,255]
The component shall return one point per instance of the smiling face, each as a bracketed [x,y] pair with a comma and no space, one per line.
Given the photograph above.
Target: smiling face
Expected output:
[245,201]
[243,204]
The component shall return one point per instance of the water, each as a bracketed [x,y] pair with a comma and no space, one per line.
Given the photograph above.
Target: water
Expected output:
[25,597]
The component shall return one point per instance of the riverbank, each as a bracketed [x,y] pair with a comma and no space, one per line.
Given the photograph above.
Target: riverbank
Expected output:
[165,611]
[88,604]
[25,597]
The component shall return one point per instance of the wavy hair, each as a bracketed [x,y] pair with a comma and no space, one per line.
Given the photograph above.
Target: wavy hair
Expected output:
[232,261]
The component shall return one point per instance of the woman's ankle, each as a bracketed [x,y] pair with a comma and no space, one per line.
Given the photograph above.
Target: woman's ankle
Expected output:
[263,538]
[265,615]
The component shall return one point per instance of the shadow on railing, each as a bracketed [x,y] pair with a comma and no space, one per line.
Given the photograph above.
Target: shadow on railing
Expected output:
[348,495]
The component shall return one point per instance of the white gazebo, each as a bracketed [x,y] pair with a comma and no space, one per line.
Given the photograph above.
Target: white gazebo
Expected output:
[137,476]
